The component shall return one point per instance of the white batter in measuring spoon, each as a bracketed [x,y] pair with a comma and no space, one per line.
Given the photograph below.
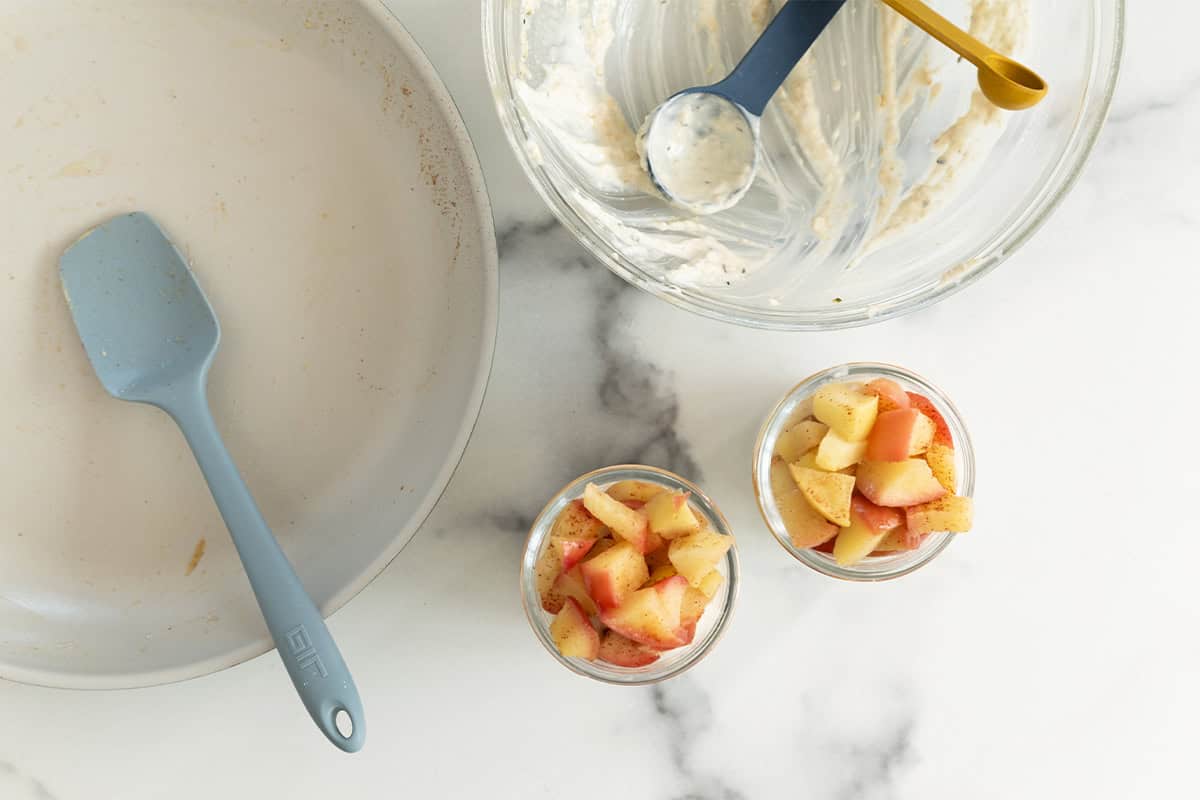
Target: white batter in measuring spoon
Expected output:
[700,150]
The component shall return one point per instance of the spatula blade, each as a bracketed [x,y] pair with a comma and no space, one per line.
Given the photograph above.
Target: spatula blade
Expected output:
[144,321]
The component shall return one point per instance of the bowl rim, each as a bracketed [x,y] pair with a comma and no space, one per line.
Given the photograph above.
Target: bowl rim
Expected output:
[991,252]
[537,617]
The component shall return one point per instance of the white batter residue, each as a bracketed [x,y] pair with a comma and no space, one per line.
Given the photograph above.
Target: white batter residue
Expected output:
[848,157]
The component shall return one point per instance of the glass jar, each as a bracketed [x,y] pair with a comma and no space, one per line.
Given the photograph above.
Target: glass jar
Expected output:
[796,405]
[711,625]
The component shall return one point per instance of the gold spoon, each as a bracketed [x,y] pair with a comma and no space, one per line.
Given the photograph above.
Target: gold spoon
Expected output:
[1007,83]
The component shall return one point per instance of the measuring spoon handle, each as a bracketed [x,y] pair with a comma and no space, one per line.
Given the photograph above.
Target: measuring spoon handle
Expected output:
[767,64]
[943,30]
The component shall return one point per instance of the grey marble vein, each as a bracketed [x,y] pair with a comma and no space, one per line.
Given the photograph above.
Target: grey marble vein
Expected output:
[1152,103]
[590,399]
[686,713]
[876,768]
[26,788]
[633,388]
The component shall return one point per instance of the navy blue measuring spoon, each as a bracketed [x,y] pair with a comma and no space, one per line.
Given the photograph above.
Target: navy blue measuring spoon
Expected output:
[700,146]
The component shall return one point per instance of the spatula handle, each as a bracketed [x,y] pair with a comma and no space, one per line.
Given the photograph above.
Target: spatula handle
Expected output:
[308,651]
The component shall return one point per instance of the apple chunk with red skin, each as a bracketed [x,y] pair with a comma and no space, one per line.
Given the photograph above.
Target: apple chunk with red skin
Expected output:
[650,616]
[614,574]
[898,483]
[900,540]
[941,431]
[576,522]
[571,551]
[573,633]
[568,584]
[671,515]
[623,652]
[625,522]
[899,434]
[891,395]
[869,526]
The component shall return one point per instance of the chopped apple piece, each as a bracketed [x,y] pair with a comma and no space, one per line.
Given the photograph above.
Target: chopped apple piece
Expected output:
[922,436]
[711,583]
[846,409]
[781,478]
[694,603]
[644,619]
[639,491]
[941,431]
[571,551]
[899,434]
[807,461]
[671,592]
[827,492]
[602,546]
[870,525]
[660,573]
[950,514]
[827,547]
[568,584]
[836,453]
[671,515]
[898,483]
[940,458]
[799,439]
[614,575]
[653,542]
[856,542]
[622,652]
[573,633]
[805,526]
[900,540]
[695,555]
[880,518]
[576,522]
[547,569]
[656,559]
[625,522]
[891,394]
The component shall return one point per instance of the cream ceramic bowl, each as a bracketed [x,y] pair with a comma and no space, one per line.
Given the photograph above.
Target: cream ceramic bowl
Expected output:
[312,166]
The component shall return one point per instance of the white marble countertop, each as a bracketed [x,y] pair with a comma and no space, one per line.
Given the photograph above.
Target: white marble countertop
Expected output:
[1052,654]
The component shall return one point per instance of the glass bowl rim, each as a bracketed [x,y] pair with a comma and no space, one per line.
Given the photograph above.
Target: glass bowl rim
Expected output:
[992,251]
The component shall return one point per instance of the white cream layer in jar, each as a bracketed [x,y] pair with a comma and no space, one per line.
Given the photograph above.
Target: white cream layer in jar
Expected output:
[876,129]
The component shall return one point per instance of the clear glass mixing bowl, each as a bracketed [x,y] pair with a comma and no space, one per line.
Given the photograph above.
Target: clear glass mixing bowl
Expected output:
[818,232]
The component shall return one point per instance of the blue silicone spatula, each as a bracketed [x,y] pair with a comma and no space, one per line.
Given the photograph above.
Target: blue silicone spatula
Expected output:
[151,335]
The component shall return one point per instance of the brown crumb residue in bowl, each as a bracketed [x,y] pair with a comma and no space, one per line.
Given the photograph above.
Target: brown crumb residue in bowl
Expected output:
[197,554]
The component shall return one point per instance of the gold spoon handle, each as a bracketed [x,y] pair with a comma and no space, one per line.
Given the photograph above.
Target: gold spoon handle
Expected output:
[944,31]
